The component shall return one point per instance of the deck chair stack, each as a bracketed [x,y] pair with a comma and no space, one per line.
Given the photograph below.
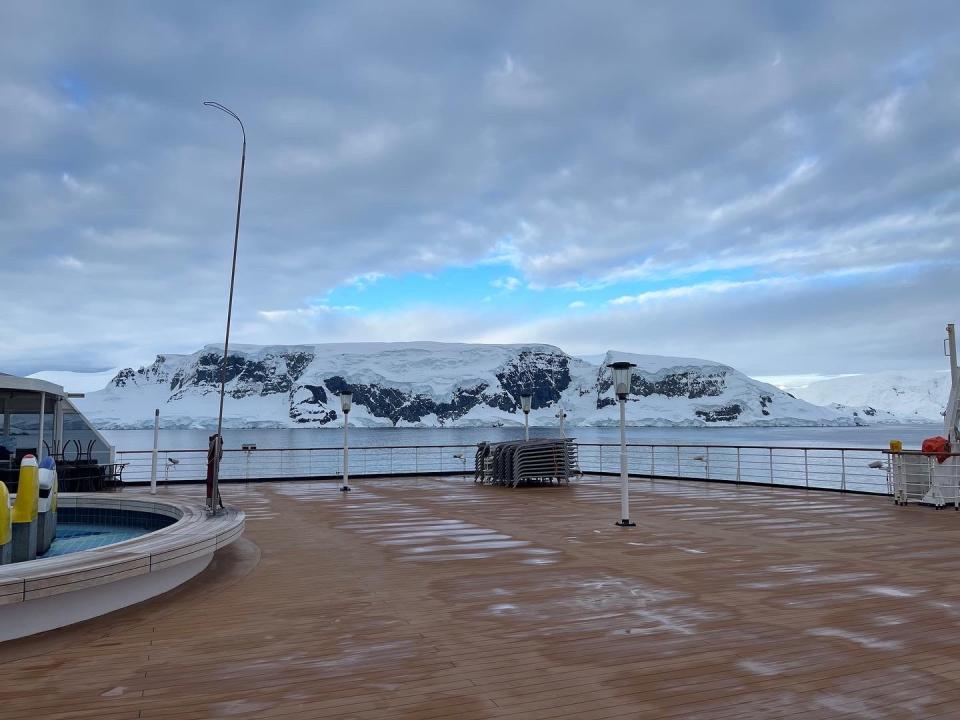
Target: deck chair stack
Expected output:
[526,462]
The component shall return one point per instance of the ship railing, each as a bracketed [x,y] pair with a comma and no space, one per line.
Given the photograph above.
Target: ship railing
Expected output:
[262,464]
[844,469]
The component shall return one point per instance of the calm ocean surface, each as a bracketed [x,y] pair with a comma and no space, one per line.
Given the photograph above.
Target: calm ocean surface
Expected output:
[856,437]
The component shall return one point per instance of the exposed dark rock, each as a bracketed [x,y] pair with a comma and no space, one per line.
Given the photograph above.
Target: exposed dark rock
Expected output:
[253,377]
[123,377]
[318,395]
[397,405]
[541,374]
[765,400]
[688,383]
[725,413]
[691,384]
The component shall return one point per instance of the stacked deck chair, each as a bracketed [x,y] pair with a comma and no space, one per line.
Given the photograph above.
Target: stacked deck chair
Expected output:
[483,463]
[530,462]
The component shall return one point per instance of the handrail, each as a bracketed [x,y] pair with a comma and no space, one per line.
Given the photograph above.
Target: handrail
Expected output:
[928,453]
[326,447]
[582,444]
[846,469]
[741,447]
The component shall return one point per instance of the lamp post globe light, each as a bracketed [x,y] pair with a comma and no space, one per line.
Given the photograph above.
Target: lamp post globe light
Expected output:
[346,401]
[562,415]
[526,401]
[622,372]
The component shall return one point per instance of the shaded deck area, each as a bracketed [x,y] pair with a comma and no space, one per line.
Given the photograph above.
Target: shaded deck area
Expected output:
[433,598]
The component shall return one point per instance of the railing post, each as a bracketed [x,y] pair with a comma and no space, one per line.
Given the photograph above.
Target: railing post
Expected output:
[678,461]
[416,459]
[391,459]
[771,466]
[653,463]
[601,459]
[706,466]
[156,447]
[843,471]
[806,469]
[738,465]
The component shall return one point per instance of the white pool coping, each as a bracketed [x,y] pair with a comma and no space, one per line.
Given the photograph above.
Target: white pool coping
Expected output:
[44,594]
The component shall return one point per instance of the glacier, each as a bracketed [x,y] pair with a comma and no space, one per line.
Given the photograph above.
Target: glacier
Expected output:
[433,384]
[919,397]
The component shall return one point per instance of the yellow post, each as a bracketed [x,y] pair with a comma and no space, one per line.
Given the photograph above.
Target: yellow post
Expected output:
[28,492]
[896,446]
[6,529]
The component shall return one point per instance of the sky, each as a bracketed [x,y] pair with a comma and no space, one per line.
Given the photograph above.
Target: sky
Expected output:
[770,185]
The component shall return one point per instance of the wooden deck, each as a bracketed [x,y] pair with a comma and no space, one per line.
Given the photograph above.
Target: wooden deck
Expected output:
[433,598]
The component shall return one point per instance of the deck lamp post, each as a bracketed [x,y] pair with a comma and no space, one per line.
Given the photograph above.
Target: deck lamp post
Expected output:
[213,487]
[346,400]
[525,402]
[562,415]
[621,383]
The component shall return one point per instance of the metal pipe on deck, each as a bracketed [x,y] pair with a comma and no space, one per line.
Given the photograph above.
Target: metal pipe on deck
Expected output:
[43,408]
[951,418]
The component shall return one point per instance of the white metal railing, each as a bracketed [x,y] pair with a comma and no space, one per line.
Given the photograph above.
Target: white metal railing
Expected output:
[267,463]
[844,469]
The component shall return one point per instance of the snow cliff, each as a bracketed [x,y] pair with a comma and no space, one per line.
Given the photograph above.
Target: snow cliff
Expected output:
[431,384]
[911,397]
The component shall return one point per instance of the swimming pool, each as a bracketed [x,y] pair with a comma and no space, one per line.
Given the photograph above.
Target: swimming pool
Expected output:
[80,529]
[75,537]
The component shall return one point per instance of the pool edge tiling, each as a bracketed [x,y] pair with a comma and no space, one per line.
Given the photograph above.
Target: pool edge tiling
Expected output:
[435,598]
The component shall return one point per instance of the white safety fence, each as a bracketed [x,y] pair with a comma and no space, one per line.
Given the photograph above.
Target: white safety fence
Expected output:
[281,463]
[844,469]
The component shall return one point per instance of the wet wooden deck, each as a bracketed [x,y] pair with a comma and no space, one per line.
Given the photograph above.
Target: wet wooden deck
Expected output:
[431,598]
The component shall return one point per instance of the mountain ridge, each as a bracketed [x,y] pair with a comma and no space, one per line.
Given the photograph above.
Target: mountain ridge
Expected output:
[433,384]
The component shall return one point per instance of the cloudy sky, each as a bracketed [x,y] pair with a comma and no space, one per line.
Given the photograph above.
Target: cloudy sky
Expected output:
[772,185]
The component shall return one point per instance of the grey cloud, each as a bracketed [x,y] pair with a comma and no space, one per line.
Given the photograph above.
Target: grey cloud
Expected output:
[578,139]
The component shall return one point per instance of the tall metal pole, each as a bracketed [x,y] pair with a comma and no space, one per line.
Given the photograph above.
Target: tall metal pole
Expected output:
[624,480]
[951,417]
[346,453]
[58,426]
[526,426]
[213,493]
[952,351]
[43,410]
[156,446]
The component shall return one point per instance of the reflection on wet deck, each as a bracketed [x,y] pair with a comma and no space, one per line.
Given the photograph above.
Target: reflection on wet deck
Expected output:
[435,598]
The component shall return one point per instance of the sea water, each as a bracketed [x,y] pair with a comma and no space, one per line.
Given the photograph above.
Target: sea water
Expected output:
[876,436]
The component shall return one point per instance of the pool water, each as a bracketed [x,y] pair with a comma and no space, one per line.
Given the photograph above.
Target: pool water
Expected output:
[75,537]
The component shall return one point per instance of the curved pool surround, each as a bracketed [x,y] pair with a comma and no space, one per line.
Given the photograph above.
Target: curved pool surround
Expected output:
[110,552]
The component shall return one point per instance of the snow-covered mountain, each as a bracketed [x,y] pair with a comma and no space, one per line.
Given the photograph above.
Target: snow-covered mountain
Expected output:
[911,397]
[439,384]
